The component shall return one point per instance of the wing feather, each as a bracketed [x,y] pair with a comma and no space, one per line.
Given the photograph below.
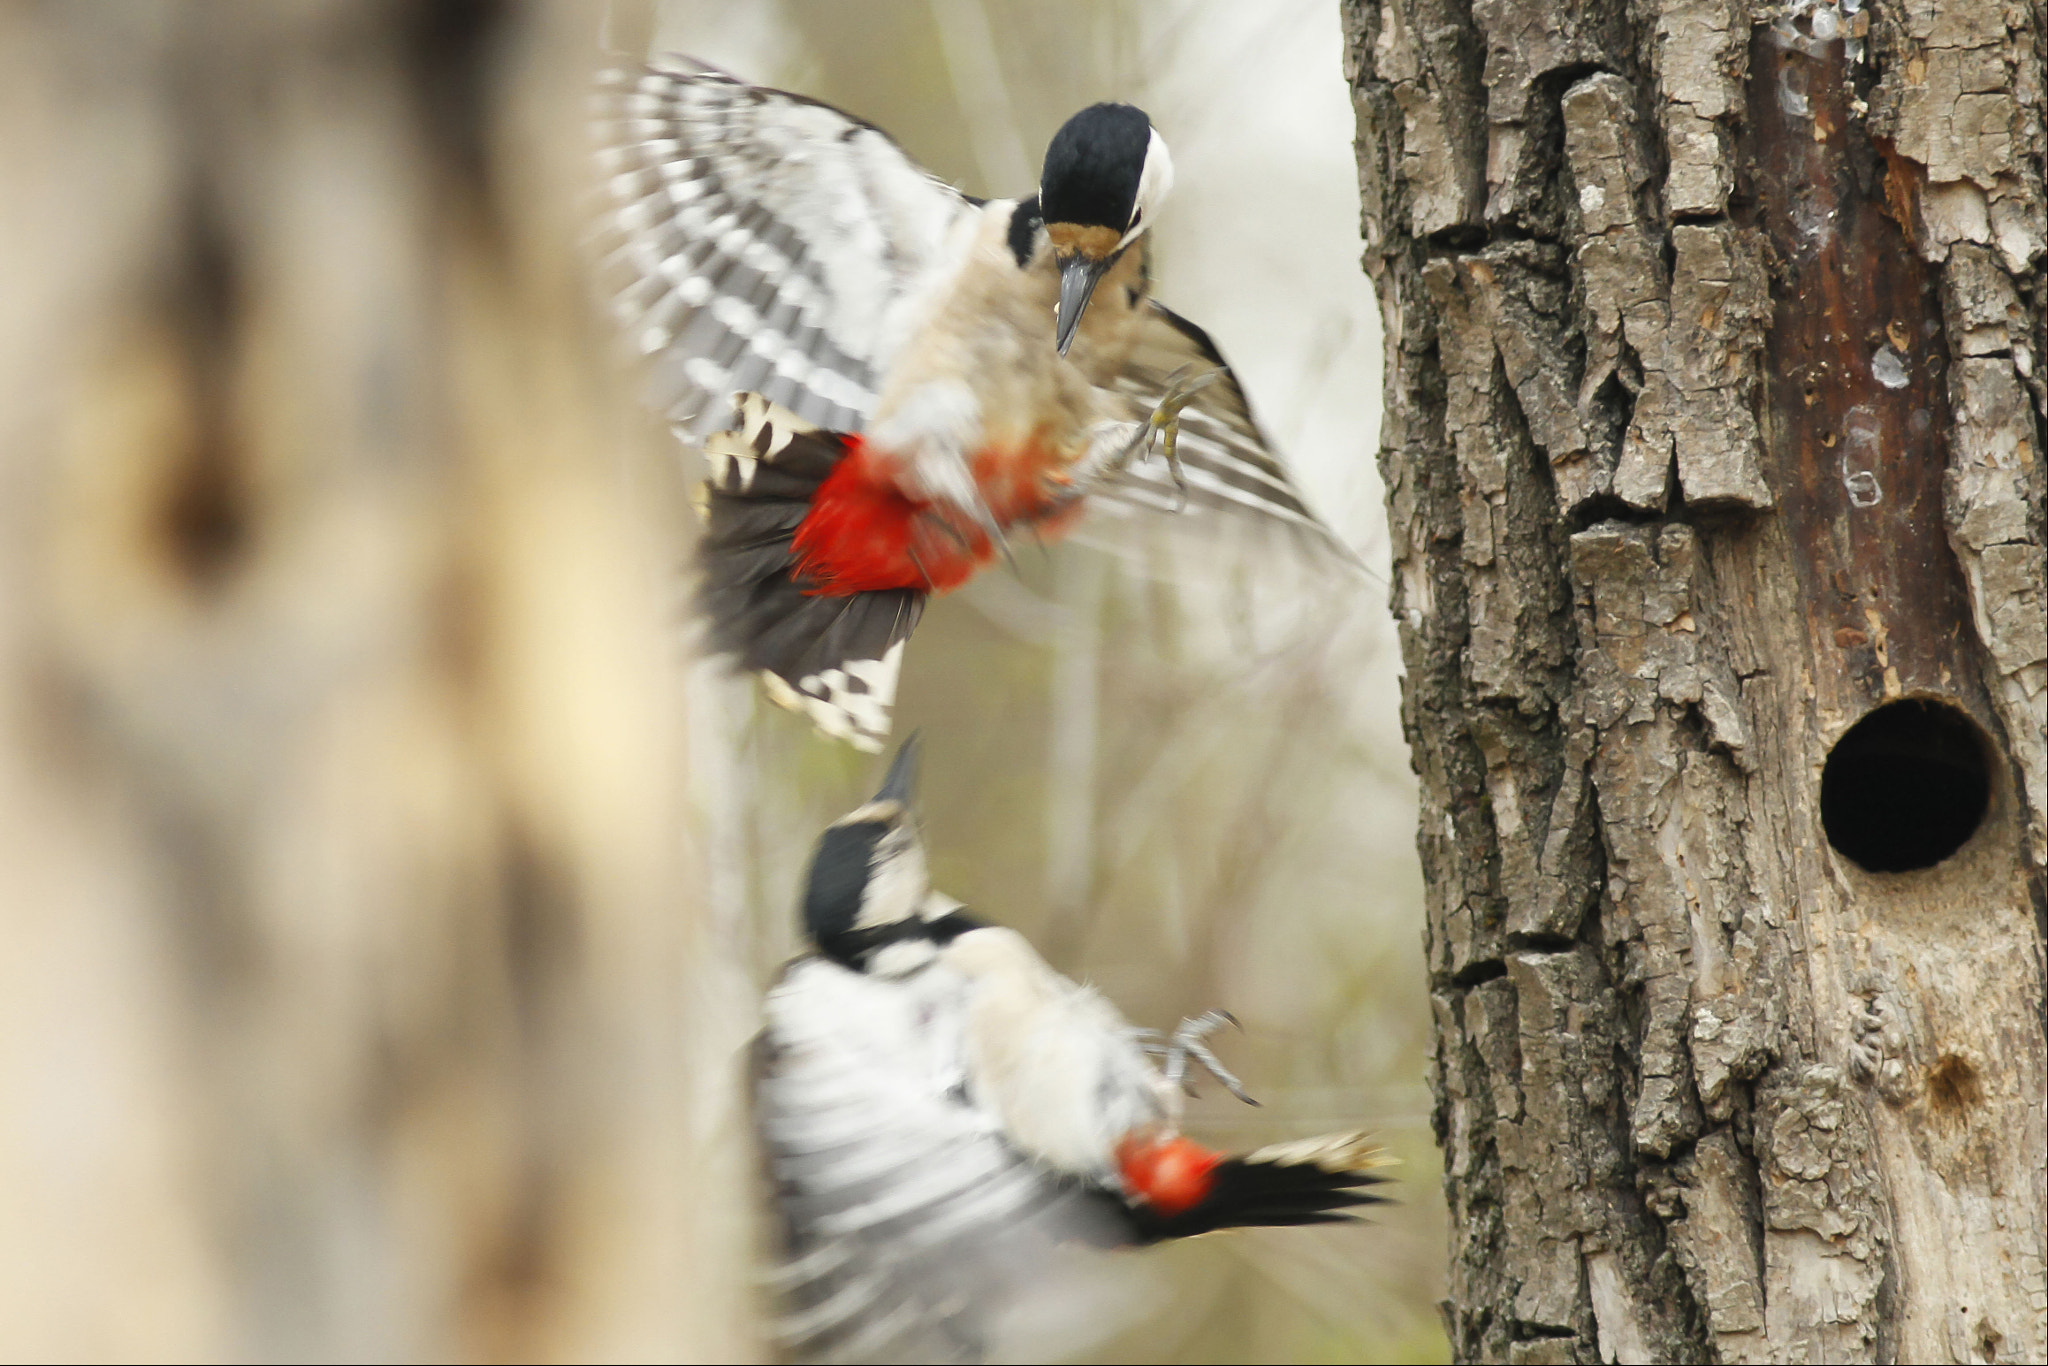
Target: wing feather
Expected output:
[1229,463]
[758,240]
[909,1221]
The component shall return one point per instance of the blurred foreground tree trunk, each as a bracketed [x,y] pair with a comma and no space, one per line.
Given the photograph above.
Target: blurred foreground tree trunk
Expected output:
[1714,429]
[344,880]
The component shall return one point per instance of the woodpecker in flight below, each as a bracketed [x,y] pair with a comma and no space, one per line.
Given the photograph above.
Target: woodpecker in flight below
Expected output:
[940,1111]
[918,374]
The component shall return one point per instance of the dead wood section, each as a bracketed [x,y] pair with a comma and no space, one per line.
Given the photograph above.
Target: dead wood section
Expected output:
[1713,452]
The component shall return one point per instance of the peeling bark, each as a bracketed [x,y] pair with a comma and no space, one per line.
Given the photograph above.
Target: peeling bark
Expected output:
[1714,425]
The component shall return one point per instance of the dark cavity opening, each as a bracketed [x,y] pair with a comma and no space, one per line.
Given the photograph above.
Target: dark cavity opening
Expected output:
[1953,1085]
[1905,787]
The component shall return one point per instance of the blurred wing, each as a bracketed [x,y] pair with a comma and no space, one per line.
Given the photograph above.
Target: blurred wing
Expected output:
[757,240]
[835,659]
[911,1226]
[1230,466]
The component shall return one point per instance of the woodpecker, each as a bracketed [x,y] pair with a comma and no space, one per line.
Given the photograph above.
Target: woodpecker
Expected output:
[940,1110]
[918,375]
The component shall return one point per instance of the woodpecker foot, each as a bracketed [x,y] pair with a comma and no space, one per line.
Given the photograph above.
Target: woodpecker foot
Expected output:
[1186,1046]
[1163,427]
[1164,424]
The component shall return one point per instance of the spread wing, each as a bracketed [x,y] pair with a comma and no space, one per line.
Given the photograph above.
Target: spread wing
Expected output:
[1229,465]
[757,241]
[911,1228]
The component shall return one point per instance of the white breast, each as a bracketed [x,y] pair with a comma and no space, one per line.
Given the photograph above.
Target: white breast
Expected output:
[1052,1059]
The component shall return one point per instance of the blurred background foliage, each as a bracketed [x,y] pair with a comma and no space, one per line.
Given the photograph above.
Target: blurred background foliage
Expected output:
[387,893]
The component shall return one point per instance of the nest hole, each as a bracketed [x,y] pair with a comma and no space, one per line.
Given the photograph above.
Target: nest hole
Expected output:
[1953,1085]
[1906,786]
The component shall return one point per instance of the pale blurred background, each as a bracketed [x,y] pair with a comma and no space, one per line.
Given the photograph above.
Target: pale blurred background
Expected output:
[387,894]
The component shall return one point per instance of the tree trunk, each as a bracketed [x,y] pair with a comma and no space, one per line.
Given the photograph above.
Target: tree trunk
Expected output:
[345,890]
[1713,453]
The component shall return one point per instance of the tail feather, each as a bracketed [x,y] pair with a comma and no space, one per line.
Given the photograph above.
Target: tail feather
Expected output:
[1314,1181]
[741,568]
[835,658]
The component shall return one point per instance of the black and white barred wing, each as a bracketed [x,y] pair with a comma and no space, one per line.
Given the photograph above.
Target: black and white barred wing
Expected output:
[1229,465]
[912,1230]
[758,241]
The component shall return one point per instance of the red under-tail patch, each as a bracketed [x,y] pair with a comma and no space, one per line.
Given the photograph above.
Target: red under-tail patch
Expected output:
[862,535]
[1172,1175]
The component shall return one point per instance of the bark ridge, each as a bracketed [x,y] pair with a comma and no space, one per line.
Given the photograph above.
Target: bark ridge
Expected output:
[1714,424]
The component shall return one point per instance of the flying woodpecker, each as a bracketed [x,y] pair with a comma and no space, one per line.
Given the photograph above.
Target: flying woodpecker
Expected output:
[919,375]
[940,1111]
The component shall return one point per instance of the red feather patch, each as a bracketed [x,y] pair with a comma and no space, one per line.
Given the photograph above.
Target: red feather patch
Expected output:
[1172,1175]
[863,534]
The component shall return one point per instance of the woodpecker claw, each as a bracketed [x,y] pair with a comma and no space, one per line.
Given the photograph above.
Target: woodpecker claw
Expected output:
[1169,448]
[991,528]
[1164,424]
[1105,461]
[1187,1044]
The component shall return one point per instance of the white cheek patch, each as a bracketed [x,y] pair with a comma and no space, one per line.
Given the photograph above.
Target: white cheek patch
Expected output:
[897,880]
[1155,182]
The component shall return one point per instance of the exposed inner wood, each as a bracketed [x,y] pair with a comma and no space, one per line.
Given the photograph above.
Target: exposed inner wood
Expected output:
[1855,388]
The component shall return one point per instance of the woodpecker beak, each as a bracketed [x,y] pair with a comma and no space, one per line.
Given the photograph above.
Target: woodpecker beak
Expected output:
[1078,274]
[901,784]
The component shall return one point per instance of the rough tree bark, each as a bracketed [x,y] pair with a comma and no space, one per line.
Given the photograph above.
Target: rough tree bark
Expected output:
[1714,397]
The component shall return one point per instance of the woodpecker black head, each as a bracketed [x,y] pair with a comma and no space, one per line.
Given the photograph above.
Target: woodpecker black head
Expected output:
[1106,171]
[868,887]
